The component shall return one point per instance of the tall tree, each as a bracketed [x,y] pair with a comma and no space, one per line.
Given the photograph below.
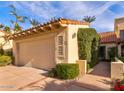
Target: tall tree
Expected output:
[7,29]
[89,19]
[1,26]
[18,19]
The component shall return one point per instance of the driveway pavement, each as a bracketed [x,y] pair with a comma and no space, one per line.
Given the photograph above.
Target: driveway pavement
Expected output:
[27,78]
[13,78]
[31,79]
[98,79]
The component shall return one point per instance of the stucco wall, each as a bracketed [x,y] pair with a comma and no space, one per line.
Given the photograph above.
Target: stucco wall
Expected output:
[37,51]
[62,59]
[7,45]
[119,25]
[45,46]
[117,70]
[82,67]
[72,44]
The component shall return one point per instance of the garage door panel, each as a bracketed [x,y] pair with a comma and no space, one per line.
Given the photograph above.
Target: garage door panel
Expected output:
[39,53]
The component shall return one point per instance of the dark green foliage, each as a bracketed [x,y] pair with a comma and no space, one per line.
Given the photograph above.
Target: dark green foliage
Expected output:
[112,53]
[121,58]
[89,18]
[7,29]
[88,42]
[52,73]
[5,60]
[88,67]
[65,71]
[9,53]
[1,51]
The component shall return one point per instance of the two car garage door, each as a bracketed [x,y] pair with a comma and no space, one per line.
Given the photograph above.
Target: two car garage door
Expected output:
[39,53]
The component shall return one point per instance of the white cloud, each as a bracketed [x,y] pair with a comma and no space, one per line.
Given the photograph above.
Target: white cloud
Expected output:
[76,10]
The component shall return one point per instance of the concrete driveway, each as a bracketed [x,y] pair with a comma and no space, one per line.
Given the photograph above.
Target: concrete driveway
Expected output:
[29,79]
[13,78]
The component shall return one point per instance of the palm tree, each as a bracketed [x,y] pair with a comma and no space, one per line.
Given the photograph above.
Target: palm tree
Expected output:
[7,29]
[89,19]
[18,19]
[1,26]
[34,22]
[17,28]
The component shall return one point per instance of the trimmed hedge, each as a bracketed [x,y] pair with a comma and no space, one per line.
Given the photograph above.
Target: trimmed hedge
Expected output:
[5,60]
[65,71]
[88,43]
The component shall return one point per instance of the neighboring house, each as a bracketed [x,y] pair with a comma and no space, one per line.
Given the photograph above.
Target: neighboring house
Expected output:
[46,45]
[6,45]
[113,39]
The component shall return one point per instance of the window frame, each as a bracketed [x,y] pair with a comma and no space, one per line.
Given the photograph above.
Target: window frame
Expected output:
[60,44]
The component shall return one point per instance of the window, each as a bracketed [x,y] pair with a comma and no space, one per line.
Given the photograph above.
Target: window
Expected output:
[122,50]
[60,41]
[122,34]
[60,45]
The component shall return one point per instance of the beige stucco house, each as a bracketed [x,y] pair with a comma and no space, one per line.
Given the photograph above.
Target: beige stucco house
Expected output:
[5,45]
[113,39]
[46,45]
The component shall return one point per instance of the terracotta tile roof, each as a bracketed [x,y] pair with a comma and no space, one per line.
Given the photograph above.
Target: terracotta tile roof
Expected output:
[73,22]
[59,21]
[4,32]
[108,37]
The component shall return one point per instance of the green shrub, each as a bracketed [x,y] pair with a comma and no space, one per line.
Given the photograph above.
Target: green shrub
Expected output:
[121,58]
[88,43]
[112,53]
[88,67]
[1,51]
[52,73]
[66,71]
[8,53]
[5,60]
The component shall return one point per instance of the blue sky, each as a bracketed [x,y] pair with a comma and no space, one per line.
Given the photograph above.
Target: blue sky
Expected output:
[105,11]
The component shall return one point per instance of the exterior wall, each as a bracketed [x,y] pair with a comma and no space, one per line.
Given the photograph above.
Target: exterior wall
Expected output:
[8,45]
[82,67]
[37,51]
[62,59]
[117,70]
[72,44]
[119,25]
[108,45]
[25,46]
[119,50]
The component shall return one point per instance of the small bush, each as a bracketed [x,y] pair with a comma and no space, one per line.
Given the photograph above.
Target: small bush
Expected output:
[112,53]
[121,58]
[88,67]
[1,51]
[52,73]
[8,53]
[65,71]
[5,60]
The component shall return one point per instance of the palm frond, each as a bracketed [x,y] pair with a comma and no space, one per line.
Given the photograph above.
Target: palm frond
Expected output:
[89,18]
[34,22]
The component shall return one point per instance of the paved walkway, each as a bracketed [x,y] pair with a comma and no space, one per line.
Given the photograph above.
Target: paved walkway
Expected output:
[98,79]
[52,84]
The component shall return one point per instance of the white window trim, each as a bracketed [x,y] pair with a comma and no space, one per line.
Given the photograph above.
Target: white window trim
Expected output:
[60,45]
